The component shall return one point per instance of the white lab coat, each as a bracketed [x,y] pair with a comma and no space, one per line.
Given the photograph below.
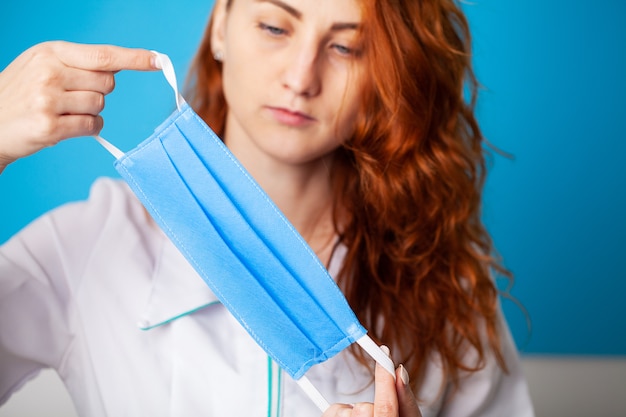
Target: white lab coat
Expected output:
[96,291]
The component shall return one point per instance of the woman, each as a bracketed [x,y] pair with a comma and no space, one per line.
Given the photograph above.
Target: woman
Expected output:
[351,117]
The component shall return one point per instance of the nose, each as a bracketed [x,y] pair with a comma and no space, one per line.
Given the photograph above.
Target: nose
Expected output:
[302,71]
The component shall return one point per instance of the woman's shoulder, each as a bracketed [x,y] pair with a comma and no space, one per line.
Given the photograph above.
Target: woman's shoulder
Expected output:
[110,203]
[109,227]
[111,194]
[110,214]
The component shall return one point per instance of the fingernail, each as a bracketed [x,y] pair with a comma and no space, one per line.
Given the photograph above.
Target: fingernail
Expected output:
[386,350]
[155,61]
[404,375]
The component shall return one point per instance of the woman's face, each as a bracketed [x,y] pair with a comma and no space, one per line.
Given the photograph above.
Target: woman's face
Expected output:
[292,76]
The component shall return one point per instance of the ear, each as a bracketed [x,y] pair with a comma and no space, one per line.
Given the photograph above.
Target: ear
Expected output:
[218,30]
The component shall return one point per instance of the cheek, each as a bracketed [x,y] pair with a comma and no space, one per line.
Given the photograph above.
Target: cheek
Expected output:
[241,56]
[347,112]
[239,81]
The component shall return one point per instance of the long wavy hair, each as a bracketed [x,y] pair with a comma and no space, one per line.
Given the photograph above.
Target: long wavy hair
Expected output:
[408,188]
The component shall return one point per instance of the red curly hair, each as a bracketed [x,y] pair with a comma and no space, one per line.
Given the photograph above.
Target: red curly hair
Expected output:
[408,187]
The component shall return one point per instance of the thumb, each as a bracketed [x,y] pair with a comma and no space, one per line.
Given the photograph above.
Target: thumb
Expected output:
[406,398]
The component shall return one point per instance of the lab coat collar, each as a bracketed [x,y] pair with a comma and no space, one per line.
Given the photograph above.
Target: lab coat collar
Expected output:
[177,290]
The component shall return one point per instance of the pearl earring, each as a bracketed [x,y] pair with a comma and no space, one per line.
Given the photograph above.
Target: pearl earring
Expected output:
[218,56]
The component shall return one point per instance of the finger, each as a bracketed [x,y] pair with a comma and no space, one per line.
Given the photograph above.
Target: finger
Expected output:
[104,57]
[363,410]
[80,102]
[83,80]
[71,126]
[338,410]
[385,397]
[406,399]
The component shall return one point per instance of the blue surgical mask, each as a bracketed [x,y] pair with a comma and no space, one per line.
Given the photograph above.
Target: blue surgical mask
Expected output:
[241,245]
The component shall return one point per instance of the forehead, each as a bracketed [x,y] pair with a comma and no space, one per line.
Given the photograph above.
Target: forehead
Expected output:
[336,10]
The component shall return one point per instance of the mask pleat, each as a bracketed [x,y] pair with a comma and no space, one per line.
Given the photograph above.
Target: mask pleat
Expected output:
[245,243]
[270,224]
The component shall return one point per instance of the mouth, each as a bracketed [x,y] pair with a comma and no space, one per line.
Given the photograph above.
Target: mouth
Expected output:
[291,118]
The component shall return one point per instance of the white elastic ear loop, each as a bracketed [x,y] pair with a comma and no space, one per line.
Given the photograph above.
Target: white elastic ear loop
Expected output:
[312,392]
[164,62]
[377,354]
[113,150]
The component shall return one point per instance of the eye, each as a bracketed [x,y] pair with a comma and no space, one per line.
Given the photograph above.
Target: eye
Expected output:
[344,50]
[272,30]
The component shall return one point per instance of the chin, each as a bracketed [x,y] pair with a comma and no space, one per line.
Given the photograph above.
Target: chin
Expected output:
[305,158]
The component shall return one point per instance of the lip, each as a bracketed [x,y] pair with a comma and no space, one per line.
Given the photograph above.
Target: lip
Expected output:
[290,117]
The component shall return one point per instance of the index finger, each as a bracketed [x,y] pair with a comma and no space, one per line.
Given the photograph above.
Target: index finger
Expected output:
[104,57]
[385,396]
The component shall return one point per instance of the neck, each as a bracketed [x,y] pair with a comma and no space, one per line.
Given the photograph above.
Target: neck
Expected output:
[304,194]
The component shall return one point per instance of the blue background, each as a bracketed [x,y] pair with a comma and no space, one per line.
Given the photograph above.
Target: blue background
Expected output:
[554,81]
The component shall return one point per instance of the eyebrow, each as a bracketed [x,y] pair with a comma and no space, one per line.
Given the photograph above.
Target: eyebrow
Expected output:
[298,15]
[344,26]
[289,9]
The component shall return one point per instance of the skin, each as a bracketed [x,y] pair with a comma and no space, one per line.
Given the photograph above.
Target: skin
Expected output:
[55,90]
[292,79]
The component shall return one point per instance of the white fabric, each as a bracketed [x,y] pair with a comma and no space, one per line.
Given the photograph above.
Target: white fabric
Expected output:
[163,61]
[96,291]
